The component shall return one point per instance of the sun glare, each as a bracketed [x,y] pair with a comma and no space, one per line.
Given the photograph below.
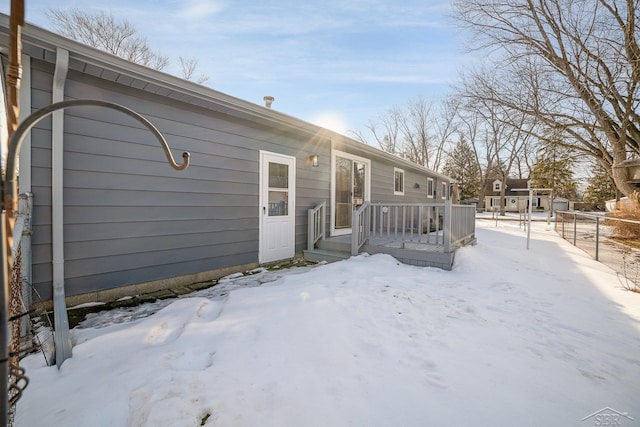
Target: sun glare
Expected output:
[331,120]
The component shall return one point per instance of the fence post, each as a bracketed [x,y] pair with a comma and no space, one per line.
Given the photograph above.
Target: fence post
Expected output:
[26,204]
[575,228]
[597,237]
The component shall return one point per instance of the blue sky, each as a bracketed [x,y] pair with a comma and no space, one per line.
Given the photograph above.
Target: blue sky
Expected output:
[334,63]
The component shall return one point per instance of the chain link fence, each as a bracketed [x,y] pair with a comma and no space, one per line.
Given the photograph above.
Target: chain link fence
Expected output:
[614,242]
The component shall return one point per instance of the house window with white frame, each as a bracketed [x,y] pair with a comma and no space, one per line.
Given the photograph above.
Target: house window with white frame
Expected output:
[398,182]
[430,188]
[497,185]
[445,190]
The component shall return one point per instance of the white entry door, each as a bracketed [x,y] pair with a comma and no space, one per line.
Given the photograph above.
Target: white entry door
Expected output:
[277,207]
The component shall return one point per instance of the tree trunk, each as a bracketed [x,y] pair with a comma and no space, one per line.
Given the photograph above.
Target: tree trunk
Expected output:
[619,175]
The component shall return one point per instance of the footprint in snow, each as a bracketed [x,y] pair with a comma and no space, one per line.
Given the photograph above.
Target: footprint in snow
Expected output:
[168,324]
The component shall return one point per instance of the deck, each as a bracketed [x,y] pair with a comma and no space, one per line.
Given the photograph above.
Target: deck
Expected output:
[425,235]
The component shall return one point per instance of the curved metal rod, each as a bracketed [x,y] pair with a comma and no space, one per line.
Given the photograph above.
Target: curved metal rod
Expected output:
[15,142]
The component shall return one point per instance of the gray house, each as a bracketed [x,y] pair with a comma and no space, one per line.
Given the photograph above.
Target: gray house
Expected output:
[110,217]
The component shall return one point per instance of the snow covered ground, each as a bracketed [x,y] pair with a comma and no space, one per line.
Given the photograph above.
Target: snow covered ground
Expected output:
[509,337]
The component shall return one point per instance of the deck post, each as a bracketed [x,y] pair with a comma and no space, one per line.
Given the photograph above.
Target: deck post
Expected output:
[446,235]
[310,230]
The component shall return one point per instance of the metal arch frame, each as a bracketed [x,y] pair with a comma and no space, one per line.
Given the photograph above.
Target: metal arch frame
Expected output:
[9,205]
[15,142]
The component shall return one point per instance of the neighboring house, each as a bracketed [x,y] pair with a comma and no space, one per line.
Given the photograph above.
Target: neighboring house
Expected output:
[130,222]
[516,197]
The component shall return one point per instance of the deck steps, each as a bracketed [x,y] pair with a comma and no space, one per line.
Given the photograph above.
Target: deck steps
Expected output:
[319,255]
[330,250]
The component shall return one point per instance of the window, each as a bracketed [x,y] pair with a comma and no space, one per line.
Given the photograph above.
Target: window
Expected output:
[278,189]
[398,182]
[445,190]
[497,185]
[430,188]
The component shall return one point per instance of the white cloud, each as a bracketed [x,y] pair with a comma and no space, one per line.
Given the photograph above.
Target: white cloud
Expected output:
[198,9]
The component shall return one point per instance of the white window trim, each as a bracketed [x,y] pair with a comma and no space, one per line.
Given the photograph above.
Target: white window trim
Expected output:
[430,187]
[445,189]
[497,185]
[401,171]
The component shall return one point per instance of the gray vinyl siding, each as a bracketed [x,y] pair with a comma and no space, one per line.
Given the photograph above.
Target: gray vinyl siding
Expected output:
[382,184]
[129,217]
[382,178]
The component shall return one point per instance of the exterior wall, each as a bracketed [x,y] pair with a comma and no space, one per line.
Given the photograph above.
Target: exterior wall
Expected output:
[131,218]
[382,184]
[382,177]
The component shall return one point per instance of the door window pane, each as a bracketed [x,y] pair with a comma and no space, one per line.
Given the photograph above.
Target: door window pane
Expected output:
[278,175]
[278,203]
[343,192]
[358,184]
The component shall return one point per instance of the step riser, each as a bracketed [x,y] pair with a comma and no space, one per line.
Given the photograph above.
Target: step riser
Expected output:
[334,246]
[319,256]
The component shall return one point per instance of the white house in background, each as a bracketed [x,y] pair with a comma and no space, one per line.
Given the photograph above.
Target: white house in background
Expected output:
[516,196]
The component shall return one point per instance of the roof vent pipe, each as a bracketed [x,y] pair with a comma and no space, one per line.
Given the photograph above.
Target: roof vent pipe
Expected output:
[268,100]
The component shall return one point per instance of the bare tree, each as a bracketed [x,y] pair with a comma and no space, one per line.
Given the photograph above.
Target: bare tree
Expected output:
[414,126]
[469,126]
[102,31]
[444,127]
[118,37]
[502,136]
[418,132]
[579,68]
[507,136]
[188,67]
[385,131]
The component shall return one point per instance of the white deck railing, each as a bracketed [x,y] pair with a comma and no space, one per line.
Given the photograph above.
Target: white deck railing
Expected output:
[460,225]
[316,228]
[408,222]
[360,227]
[438,224]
